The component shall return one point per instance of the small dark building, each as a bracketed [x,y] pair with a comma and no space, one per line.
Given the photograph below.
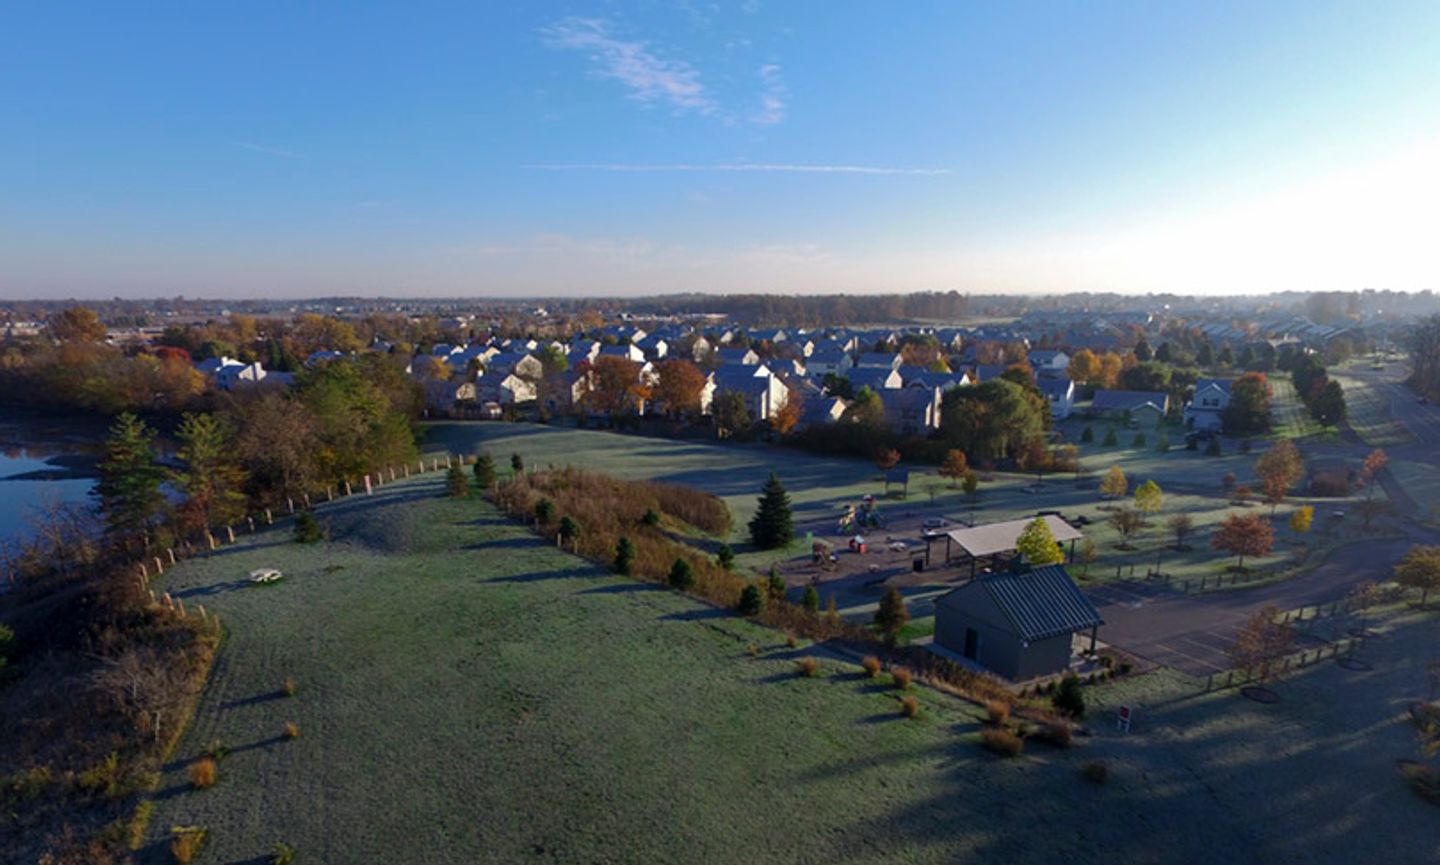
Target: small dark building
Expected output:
[1018,624]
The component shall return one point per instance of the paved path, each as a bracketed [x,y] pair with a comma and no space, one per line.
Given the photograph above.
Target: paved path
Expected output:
[1191,633]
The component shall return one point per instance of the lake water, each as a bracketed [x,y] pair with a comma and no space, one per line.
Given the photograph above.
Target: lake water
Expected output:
[41,463]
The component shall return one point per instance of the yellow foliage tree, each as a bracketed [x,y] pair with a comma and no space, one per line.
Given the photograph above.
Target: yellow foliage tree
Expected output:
[1037,544]
[1114,485]
[1301,518]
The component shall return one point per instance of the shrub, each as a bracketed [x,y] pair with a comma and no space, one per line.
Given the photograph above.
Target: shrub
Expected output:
[900,677]
[997,712]
[790,641]
[544,511]
[1087,435]
[485,471]
[139,824]
[1139,441]
[1096,771]
[682,576]
[909,706]
[290,688]
[725,557]
[810,600]
[1057,733]
[776,584]
[307,528]
[650,518]
[1002,742]
[292,730]
[1110,438]
[103,778]
[871,665]
[1125,667]
[217,750]
[1068,697]
[203,773]
[185,843]
[753,649]
[283,854]
[752,601]
[700,509]
[1213,448]
[808,667]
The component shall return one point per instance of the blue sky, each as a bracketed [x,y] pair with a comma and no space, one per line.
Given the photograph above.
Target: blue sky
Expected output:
[289,149]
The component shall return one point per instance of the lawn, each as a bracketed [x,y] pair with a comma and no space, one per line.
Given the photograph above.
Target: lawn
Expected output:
[820,486]
[467,693]
[1291,418]
[1368,413]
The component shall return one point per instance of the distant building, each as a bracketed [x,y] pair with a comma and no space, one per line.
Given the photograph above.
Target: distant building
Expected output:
[1139,405]
[1059,394]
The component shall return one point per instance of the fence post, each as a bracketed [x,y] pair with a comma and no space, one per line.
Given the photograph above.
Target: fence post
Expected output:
[407,470]
[158,568]
[306,498]
[171,552]
[269,518]
[144,573]
[230,534]
[290,503]
[392,474]
[348,490]
[210,539]
[251,522]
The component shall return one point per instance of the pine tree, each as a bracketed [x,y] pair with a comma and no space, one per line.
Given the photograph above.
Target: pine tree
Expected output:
[682,576]
[725,557]
[485,471]
[892,615]
[455,483]
[517,463]
[129,487]
[810,600]
[212,481]
[771,526]
[307,529]
[624,556]
[752,601]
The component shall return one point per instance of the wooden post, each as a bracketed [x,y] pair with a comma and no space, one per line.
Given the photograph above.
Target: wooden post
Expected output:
[306,497]
[407,470]
[230,534]
[269,518]
[171,552]
[368,489]
[251,522]
[144,572]
[420,466]
[158,569]
[211,540]
[169,602]
[200,609]
[329,494]
[348,490]
[180,606]
[152,596]
[392,474]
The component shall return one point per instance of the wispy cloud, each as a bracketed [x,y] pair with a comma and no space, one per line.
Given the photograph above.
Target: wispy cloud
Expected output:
[649,77]
[758,167]
[772,97]
[280,152]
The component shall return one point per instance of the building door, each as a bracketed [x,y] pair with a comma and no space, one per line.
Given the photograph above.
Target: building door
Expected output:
[972,644]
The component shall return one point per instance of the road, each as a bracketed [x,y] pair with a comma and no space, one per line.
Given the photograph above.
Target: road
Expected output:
[1191,633]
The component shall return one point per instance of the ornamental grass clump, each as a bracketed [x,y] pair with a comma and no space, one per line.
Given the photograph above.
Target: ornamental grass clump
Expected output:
[871,665]
[1002,742]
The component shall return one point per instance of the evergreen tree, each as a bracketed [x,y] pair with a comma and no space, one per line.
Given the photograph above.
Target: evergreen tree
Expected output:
[517,463]
[810,600]
[568,529]
[624,556]
[892,615]
[771,526]
[213,482]
[682,576]
[307,528]
[725,557]
[1328,405]
[752,601]
[455,483]
[129,486]
[1068,698]
[485,471]
[544,511]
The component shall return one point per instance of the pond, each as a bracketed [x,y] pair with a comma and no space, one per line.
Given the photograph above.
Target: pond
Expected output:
[42,464]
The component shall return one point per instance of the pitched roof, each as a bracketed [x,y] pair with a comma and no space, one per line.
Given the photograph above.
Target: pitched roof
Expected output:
[992,538]
[1128,400]
[1041,603]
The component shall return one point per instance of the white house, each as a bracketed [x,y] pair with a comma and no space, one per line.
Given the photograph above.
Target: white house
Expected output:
[1060,395]
[1046,360]
[832,362]
[764,394]
[1204,410]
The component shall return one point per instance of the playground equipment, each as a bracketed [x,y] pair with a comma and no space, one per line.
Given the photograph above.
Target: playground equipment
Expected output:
[865,516]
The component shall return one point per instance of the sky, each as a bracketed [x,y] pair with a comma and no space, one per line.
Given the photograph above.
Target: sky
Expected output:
[287,149]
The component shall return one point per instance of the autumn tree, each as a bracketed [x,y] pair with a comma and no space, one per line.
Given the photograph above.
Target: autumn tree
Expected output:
[954,466]
[1419,569]
[212,480]
[680,387]
[1249,409]
[1261,642]
[1181,526]
[1111,365]
[615,386]
[1114,485]
[1037,544]
[1375,463]
[994,419]
[76,324]
[1126,522]
[1244,535]
[788,417]
[866,409]
[275,440]
[1084,367]
[1301,518]
[886,458]
[1034,457]
[1279,469]
[1148,497]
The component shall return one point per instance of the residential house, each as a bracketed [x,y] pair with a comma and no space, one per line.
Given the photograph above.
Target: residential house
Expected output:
[1048,361]
[1205,408]
[764,394]
[912,411]
[875,379]
[737,357]
[1059,393]
[878,360]
[1140,406]
[822,410]
[828,362]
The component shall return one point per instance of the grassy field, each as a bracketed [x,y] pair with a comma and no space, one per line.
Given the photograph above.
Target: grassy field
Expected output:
[1291,418]
[820,486]
[468,693]
[1368,413]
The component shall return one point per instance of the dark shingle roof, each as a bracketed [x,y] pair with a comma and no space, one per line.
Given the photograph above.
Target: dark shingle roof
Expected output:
[1041,603]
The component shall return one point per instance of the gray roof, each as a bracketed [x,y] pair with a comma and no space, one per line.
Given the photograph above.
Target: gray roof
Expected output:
[1043,602]
[1129,400]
